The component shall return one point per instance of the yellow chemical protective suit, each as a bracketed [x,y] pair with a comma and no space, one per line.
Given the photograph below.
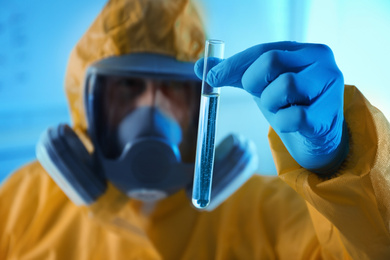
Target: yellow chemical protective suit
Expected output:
[296,215]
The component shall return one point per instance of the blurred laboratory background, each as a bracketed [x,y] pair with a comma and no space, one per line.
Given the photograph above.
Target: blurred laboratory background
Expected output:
[37,36]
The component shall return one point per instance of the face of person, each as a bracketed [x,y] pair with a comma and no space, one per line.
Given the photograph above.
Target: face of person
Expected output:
[178,100]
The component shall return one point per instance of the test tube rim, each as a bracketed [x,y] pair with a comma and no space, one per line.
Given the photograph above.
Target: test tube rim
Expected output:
[214,41]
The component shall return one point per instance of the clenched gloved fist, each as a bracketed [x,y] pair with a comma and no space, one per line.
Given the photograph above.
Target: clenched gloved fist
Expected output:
[299,89]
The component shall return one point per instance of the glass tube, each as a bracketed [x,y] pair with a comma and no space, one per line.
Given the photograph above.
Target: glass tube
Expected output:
[204,161]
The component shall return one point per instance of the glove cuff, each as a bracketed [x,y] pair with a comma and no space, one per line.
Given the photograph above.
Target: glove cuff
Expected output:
[337,157]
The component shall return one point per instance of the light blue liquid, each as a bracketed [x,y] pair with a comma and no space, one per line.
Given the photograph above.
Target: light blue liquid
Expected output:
[205,151]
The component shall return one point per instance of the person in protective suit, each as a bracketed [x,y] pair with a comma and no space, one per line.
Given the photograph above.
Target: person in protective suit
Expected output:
[119,177]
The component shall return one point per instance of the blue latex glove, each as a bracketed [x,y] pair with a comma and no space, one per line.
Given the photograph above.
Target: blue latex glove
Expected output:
[299,89]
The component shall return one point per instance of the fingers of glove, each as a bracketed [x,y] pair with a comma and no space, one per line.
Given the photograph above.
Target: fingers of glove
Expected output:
[302,119]
[270,65]
[273,63]
[288,120]
[230,71]
[291,89]
[303,101]
[199,65]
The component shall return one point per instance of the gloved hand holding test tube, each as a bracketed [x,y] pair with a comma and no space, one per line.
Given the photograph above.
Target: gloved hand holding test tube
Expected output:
[204,162]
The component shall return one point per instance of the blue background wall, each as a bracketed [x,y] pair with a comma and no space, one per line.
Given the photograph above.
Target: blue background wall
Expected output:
[36,37]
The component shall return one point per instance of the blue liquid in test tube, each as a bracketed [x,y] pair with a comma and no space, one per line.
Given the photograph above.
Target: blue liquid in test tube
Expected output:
[204,162]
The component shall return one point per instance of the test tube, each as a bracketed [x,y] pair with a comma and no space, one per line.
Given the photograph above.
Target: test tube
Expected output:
[204,161]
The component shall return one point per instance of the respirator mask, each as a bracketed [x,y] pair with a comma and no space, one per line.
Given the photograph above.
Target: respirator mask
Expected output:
[142,112]
[143,131]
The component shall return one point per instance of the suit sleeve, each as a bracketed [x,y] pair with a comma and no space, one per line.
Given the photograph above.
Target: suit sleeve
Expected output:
[350,211]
